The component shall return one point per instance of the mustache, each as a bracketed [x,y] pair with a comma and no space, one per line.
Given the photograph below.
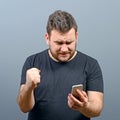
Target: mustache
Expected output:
[64,52]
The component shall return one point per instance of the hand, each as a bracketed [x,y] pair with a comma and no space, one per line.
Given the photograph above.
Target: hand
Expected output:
[78,103]
[32,78]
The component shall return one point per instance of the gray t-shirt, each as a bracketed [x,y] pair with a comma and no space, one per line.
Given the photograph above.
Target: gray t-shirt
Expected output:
[57,79]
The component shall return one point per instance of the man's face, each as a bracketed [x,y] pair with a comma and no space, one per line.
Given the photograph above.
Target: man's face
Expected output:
[62,45]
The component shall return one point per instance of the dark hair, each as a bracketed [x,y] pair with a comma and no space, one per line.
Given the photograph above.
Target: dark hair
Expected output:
[61,21]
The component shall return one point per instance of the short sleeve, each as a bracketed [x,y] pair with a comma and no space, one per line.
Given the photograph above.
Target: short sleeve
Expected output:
[94,78]
[27,65]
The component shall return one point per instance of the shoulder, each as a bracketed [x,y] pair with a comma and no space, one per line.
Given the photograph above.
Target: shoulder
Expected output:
[86,58]
[35,59]
[37,55]
[90,63]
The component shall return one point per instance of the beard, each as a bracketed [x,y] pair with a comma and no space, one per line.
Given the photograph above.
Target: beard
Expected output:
[60,56]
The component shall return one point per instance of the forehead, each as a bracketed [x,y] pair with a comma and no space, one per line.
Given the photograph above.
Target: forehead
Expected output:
[58,35]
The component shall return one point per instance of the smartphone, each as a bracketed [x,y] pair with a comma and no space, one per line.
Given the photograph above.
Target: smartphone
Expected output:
[74,87]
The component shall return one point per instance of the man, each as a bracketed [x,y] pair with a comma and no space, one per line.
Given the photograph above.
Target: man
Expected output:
[47,77]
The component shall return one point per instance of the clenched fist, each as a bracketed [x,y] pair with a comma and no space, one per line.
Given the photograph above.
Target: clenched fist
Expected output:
[32,77]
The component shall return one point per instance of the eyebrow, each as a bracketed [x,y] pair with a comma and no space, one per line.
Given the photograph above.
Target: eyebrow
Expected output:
[62,42]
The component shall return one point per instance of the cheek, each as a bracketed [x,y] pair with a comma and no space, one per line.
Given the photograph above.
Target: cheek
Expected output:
[57,48]
[72,47]
[54,47]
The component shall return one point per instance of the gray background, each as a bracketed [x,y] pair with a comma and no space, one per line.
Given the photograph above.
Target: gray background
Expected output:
[22,29]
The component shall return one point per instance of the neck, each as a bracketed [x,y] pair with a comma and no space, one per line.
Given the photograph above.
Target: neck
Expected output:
[57,60]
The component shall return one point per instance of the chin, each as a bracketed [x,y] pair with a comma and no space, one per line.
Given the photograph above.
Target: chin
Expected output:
[64,60]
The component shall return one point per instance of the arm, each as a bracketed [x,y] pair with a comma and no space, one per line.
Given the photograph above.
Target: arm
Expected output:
[89,104]
[25,98]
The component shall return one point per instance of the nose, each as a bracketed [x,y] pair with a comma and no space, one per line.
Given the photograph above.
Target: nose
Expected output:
[64,48]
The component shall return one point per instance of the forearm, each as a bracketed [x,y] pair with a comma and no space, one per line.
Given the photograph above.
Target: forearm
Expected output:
[25,99]
[89,104]
[91,109]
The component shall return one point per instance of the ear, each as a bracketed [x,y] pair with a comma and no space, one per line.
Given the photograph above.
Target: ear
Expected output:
[47,38]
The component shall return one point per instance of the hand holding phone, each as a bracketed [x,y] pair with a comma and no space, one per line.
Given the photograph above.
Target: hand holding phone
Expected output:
[74,87]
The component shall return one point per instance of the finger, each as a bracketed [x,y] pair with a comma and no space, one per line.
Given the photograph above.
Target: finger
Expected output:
[74,101]
[82,95]
[85,94]
[36,74]
[33,76]
[70,102]
[38,80]
[35,70]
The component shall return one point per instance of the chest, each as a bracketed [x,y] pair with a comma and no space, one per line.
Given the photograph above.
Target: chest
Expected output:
[56,81]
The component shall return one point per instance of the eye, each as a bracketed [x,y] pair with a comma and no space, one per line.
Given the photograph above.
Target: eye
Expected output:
[68,43]
[59,43]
